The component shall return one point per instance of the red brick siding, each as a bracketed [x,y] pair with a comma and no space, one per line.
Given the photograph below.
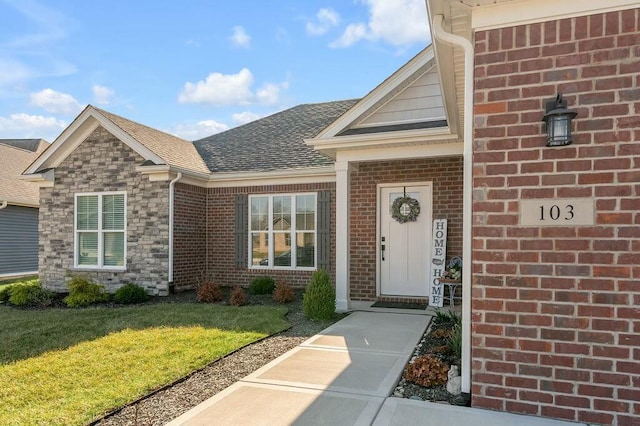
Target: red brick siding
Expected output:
[221,217]
[446,175]
[190,234]
[556,322]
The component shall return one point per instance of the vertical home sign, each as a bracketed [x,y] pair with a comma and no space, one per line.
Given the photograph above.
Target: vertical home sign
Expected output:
[438,255]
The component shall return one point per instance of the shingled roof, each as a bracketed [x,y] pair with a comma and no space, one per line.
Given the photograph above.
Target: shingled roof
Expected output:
[13,161]
[275,142]
[33,145]
[172,149]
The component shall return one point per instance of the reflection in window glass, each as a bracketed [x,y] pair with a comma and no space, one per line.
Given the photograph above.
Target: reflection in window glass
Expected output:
[274,226]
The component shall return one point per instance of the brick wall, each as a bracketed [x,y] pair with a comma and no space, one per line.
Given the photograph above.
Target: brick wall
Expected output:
[221,217]
[556,316]
[104,163]
[446,175]
[190,236]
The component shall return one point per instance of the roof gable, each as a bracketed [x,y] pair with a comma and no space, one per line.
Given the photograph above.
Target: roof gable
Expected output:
[411,98]
[153,145]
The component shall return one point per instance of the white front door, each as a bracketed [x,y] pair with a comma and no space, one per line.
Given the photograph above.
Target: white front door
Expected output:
[404,248]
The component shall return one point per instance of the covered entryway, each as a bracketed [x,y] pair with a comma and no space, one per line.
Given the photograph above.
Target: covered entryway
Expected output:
[404,247]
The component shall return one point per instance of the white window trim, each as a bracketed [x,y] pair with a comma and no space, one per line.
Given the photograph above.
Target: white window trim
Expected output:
[100,231]
[294,230]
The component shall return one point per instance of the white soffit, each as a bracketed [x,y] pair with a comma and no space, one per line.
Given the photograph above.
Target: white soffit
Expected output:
[488,15]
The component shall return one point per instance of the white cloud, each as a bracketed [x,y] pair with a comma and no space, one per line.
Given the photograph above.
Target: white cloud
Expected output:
[23,125]
[55,102]
[230,89]
[245,117]
[269,94]
[395,22]
[352,34]
[219,89]
[325,19]
[102,95]
[240,38]
[199,130]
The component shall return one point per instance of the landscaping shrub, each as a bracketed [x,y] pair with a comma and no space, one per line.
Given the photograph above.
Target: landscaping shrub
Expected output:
[5,293]
[427,371]
[262,285]
[130,293]
[30,294]
[283,293]
[455,341]
[238,297]
[209,292]
[319,300]
[84,292]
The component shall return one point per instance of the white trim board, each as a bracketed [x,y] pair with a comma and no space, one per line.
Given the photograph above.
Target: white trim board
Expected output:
[510,14]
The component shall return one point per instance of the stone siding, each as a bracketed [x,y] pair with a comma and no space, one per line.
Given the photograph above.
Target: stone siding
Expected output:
[556,316]
[104,163]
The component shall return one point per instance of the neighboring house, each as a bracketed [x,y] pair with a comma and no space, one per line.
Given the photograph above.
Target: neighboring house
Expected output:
[550,313]
[18,208]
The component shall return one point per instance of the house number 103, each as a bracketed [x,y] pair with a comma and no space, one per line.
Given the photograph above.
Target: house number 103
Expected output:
[555,212]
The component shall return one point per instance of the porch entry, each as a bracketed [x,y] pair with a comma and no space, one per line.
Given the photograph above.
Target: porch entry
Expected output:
[404,249]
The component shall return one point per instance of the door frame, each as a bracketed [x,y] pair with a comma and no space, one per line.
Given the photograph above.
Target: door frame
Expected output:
[379,187]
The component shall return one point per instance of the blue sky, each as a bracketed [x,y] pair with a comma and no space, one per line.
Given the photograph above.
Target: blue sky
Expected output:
[194,68]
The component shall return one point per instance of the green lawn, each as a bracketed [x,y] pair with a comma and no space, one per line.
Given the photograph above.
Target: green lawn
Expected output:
[65,366]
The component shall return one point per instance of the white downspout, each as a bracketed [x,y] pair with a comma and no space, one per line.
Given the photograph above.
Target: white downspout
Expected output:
[171,212]
[4,204]
[454,40]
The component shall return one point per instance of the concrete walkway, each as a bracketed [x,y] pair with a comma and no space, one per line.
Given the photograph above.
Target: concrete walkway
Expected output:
[341,376]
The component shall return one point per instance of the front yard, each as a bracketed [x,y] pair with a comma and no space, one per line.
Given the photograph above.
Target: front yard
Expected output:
[68,366]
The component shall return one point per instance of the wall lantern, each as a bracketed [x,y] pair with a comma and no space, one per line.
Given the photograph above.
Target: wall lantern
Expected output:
[558,120]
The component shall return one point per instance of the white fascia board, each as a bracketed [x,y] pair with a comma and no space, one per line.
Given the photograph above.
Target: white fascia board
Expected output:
[19,203]
[402,152]
[43,180]
[376,94]
[324,174]
[164,172]
[501,15]
[372,140]
[64,144]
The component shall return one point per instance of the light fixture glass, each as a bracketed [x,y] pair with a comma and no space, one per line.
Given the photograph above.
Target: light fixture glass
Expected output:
[558,120]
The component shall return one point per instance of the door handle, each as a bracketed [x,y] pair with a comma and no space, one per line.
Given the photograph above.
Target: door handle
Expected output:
[382,248]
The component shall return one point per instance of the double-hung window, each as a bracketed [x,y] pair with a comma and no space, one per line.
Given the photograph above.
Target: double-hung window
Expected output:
[100,230]
[282,231]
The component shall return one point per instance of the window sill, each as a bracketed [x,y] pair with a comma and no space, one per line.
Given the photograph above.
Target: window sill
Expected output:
[98,269]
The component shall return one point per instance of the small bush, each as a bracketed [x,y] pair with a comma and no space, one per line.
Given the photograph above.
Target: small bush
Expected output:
[84,292]
[5,293]
[130,293]
[209,292]
[30,294]
[319,301]
[262,285]
[283,293]
[427,371]
[238,297]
